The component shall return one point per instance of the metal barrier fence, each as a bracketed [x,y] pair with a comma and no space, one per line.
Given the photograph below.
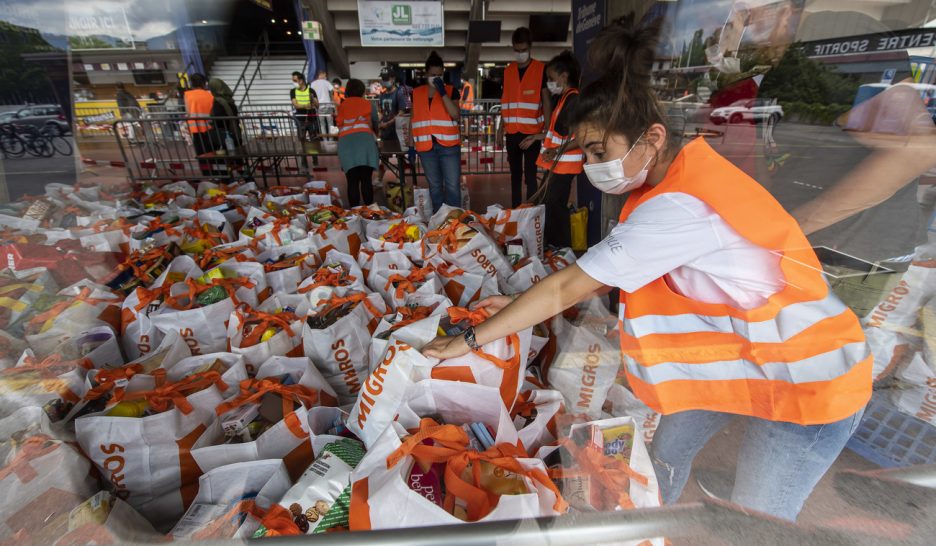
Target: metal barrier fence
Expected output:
[265,147]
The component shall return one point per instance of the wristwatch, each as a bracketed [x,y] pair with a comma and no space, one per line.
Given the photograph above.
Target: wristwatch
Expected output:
[470,339]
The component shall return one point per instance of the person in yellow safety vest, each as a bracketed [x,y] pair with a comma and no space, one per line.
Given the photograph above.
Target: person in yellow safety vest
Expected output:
[338,91]
[199,106]
[724,309]
[467,97]
[357,144]
[434,130]
[563,73]
[305,103]
[525,107]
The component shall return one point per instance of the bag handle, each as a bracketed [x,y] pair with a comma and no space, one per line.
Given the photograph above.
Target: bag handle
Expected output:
[511,366]
[326,277]
[610,474]
[356,297]
[263,321]
[84,296]
[175,394]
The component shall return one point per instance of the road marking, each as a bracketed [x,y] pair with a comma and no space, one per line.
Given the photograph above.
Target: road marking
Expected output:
[797,182]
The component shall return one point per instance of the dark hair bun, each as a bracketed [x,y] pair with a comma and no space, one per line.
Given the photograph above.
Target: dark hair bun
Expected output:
[625,52]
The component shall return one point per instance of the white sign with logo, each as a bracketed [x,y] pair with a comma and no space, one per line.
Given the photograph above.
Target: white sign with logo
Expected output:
[98,25]
[401,23]
[312,30]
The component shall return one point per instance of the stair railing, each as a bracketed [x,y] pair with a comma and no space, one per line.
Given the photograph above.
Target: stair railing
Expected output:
[260,51]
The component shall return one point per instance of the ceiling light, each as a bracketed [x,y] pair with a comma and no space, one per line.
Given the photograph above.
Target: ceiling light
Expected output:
[272,20]
[289,33]
[285,21]
[204,22]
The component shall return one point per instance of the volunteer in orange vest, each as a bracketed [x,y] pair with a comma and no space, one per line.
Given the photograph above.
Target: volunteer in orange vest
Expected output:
[525,107]
[725,313]
[563,73]
[338,91]
[357,143]
[467,97]
[199,103]
[435,134]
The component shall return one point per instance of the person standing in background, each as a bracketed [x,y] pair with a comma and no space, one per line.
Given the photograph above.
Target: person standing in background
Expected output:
[357,143]
[525,105]
[390,105]
[338,91]
[199,104]
[127,104]
[467,97]
[304,102]
[326,106]
[225,107]
[563,79]
[434,129]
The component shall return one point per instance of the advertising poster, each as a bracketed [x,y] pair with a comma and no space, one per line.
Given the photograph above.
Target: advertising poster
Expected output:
[400,23]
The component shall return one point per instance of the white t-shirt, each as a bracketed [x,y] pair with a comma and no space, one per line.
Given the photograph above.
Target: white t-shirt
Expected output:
[678,236]
[323,90]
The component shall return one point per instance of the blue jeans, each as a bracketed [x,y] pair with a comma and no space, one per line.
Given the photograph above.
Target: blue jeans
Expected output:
[442,165]
[778,466]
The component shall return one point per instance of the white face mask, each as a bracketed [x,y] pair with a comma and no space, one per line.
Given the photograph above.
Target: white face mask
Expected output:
[554,88]
[609,176]
[521,56]
[296,85]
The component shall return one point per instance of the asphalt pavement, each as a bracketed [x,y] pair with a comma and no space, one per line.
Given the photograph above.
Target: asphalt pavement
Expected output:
[29,175]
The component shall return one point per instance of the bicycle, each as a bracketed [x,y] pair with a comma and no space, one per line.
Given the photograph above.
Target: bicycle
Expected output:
[59,143]
[10,144]
[32,141]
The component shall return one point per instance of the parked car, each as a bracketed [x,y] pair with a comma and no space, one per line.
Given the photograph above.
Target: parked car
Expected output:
[43,116]
[748,111]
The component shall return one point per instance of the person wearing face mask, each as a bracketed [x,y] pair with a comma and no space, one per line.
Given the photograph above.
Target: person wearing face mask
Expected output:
[525,105]
[434,130]
[304,102]
[389,104]
[724,310]
[563,73]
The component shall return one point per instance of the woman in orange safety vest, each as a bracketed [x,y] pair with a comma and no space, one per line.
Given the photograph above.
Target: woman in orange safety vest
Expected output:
[563,73]
[357,145]
[724,310]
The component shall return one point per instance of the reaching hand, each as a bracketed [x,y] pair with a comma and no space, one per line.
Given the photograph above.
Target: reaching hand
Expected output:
[492,304]
[446,347]
[527,142]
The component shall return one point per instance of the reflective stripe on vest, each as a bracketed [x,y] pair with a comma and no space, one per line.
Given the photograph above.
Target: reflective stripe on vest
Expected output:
[198,104]
[801,357]
[432,120]
[521,103]
[354,116]
[304,97]
[569,162]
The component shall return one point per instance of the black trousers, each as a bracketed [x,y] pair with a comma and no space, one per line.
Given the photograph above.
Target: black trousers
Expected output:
[204,142]
[359,185]
[522,167]
[558,229]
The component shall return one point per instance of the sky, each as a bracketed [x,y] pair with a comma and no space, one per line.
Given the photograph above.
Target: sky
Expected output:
[147,18]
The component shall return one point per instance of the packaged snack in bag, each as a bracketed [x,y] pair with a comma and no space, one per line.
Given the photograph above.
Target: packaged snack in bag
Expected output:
[334,228]
[321,498]
[337,335]
[397,234]
[603,465]
[105,519]
[53,384]
[141,268]
[467,245]
[19,291]
[286,266]
[338,274]
[274,329]
[395,285]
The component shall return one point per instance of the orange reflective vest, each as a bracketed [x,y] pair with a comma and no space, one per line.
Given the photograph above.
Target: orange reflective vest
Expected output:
[198,104]
[432,120]
[354,116]
[569,162]
[522,101]
[800,357]
[338,95]
[466,101]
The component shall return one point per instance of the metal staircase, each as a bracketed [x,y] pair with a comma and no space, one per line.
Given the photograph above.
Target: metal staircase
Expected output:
[260,79]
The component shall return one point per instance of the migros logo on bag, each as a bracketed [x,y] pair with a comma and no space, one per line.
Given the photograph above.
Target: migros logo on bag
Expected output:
[374,384]
[114,467]
[486,264]
[589,371]
[188,335]
[343,358]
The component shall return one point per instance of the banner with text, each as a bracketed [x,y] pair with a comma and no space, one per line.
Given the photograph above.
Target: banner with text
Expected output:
[401,23]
